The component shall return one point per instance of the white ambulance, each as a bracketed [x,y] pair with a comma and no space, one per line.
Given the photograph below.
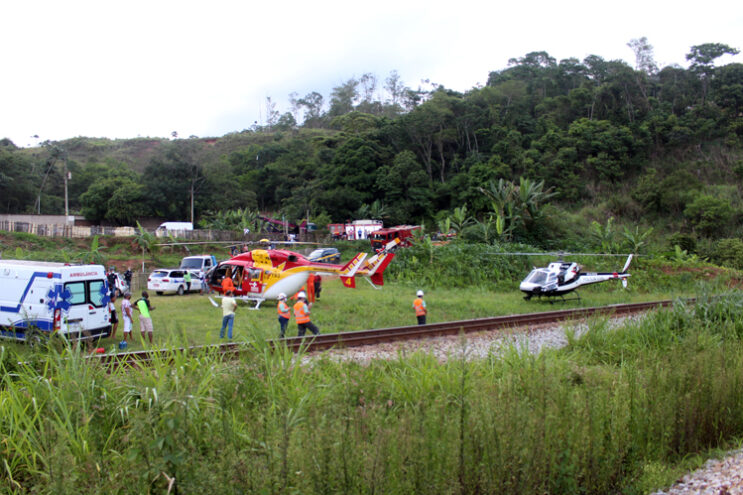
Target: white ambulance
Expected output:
[36,296]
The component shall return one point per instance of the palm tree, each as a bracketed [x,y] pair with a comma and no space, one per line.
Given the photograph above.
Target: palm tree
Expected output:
[459,219]
[94,254]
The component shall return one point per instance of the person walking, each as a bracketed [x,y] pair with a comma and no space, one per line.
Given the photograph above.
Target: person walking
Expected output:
[284,314]
[114,317]
[318,285]
[302,315]
[145,320]
[229,305]
[126,313]
[128,278]
[111,276]
[420,308]
[187,281]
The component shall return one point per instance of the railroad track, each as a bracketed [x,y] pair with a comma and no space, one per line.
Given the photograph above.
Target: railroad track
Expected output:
[383,335]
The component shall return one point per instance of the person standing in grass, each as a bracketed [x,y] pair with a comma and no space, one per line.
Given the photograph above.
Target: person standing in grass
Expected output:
[128,278]
[302,315]
[126,313]
[229,305]
[318,285]
[114,317]
[144,308]
[187,281]
[284,314]
[420,308]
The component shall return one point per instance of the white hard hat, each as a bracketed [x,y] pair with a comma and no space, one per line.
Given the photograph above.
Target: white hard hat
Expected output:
[301,295]
[419,293]
[282,295]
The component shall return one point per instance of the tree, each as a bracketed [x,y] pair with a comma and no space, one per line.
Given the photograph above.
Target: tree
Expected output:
[16,181]
[115,198]
[272,115]
[395,88]
[404,185]
[343,97]
[709,215]
[313,103]
[644,60]
[174,178]
[95,253]
[702,58]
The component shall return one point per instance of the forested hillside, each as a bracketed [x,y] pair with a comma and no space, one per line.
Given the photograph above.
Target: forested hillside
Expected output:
[543,149]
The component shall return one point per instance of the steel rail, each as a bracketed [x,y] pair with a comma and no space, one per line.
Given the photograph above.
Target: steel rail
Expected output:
[139,359]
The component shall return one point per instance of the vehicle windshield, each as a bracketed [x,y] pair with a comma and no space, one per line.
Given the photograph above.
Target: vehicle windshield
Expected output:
[191,263]
[316,253]
[159,274]
[538,277]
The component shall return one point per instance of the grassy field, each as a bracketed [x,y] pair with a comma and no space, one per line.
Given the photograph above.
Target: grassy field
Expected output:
[192,320]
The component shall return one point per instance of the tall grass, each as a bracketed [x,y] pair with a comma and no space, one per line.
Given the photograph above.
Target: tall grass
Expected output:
[611,413]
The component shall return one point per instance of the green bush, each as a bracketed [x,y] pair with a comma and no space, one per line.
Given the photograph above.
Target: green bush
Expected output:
[729,253]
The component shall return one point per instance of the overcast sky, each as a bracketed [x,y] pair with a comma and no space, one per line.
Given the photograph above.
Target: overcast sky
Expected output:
[121,69]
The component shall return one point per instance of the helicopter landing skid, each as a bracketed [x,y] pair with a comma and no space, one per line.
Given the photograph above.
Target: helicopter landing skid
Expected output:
[249,301]
[552,298]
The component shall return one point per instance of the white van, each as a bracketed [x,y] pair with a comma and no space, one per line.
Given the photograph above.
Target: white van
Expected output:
[169,227]
[37,296]
[199,264]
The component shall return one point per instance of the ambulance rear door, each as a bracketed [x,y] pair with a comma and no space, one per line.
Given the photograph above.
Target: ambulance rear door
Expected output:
[86,293]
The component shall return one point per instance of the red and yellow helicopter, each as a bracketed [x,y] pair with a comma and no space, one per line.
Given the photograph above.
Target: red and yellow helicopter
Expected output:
[263,274]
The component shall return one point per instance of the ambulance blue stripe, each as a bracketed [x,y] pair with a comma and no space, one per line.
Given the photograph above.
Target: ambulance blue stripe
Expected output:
[17,309]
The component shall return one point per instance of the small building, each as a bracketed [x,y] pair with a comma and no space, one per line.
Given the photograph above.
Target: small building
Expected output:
[358,229]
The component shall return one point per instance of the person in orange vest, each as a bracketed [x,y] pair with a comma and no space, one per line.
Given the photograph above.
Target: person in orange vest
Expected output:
[284,314]
[227,283]
[420,308]
[302,315]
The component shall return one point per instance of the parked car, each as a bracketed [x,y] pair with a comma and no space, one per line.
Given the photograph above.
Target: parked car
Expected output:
[171,281]
[325,255]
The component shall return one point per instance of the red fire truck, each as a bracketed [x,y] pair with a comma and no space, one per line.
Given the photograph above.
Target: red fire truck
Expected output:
[379,238]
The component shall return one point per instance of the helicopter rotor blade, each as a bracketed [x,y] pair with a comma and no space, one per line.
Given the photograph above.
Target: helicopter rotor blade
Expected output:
[626,265]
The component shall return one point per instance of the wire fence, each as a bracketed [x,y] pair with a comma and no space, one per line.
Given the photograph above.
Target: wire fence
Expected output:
[58,230]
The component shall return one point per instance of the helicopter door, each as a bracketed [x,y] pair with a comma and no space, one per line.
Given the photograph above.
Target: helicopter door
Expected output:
[253,280]
[551,283]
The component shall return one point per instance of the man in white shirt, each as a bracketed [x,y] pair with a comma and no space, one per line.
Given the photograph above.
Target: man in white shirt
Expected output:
[229,304]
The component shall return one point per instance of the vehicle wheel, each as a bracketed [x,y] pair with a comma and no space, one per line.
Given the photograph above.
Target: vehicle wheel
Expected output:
[35,339]
[159,293]
[180,290]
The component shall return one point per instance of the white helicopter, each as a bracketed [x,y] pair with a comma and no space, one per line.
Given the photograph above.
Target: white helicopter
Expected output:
[560,278]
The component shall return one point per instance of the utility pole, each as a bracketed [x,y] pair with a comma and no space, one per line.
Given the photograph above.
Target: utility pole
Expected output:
[67,176]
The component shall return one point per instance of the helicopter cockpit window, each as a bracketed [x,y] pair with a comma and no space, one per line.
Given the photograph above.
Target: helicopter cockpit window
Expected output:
[254,273]
[538,277]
